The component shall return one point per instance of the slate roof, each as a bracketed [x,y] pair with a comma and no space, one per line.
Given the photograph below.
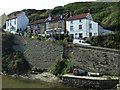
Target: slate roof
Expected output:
[13,17]
[80,16]
[38,21]
[46,20]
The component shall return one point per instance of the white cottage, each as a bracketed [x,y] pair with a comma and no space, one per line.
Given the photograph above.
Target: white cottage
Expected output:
[82,25]
[17,23]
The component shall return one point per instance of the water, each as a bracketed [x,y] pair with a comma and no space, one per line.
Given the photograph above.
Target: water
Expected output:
[11,82]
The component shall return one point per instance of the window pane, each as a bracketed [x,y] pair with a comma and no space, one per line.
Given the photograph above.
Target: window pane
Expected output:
[47,25]
[90,26]
[90,34]
[80,20]
[80,27]
[71,28]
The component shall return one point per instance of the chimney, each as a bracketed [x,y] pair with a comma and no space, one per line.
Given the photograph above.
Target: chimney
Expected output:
[71,14]
[50,17]
[61,16]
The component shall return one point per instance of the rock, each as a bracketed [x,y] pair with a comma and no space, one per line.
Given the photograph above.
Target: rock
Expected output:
[46,76]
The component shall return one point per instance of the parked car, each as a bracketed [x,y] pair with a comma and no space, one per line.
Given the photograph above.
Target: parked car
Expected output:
[78,41]
[51,39]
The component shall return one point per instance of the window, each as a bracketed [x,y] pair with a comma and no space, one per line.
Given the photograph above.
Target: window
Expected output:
[10,23]
[59,24]
[15,21]
[90,26]
[38,31]
[71,28]
[95,34]
[80,35]
[47,25]
[80,20]
[31,27]
[80,27]
[38,25]
[76,35]
[90,34]
[71,21]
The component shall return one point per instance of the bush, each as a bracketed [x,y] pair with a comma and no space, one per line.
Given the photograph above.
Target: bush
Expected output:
[61,67]
[68,39]
[7,43]
[37,69]
[15,63]
[108,40]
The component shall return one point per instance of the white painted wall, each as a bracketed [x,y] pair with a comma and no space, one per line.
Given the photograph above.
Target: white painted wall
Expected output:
[85,27]
[95,30]
[21,22]
[104,31]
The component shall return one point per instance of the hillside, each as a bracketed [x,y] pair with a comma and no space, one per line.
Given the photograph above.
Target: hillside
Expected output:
[105,13]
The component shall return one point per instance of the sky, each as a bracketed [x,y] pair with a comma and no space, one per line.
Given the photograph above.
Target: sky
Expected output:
[8,6]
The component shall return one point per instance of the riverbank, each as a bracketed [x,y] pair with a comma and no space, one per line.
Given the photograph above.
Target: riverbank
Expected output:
[45,76]
[43,79]
[12,82]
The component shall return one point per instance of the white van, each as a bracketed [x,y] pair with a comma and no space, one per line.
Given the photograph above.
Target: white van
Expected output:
[77,41]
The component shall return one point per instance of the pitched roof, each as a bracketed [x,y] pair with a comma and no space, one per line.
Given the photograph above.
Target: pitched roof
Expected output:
[61,17]
[80,16]
[38,21]
[13,17]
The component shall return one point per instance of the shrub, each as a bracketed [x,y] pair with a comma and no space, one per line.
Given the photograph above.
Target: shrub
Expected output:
[108,40]
[15,63]
[61,67]
[37,69]
[7,43]
[68,39]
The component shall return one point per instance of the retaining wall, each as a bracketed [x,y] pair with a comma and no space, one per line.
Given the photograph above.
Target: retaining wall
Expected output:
[96,59]
[93,59]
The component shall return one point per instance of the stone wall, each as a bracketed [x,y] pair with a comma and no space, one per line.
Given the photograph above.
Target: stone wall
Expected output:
[89,82]
[93,59]
[96,59]
[39,53]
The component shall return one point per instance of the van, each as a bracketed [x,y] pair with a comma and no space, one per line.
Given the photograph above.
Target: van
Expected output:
[78,41]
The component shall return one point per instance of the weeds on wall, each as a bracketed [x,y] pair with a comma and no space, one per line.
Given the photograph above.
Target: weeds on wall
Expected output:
[61,67]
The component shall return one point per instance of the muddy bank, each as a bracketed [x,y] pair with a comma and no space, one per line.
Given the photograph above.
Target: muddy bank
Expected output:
[45,76]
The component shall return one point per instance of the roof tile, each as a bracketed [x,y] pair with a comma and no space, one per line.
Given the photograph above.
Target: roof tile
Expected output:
[13,17]
[80,16]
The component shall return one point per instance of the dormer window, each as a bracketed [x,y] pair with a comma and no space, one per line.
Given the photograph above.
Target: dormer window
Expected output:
[80,20]
[71,21]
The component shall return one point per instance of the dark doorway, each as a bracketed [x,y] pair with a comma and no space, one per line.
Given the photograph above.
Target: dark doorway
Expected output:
[80,35]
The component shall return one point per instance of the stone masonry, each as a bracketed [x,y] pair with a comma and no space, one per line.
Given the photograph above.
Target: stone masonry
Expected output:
[93,59]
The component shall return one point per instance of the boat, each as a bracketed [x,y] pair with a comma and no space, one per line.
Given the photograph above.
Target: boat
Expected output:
[104,82]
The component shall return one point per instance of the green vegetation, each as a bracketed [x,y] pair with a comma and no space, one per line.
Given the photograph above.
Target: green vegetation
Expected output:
[37,69]
[12,62]
[68,39]
[108,40]
[61,67]
[7,43]
[105,13]
[15,63]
